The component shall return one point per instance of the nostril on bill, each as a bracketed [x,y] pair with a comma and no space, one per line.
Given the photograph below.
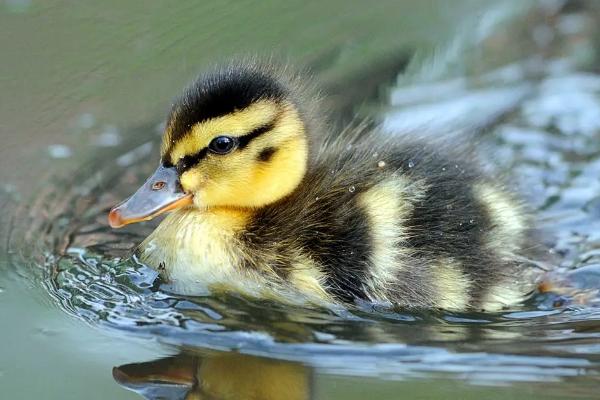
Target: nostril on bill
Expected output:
[158,185]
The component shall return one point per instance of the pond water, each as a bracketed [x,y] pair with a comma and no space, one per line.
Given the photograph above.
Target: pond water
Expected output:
[86,89]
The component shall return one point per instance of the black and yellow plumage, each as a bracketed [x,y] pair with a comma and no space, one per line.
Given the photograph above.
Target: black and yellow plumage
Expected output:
[268,201]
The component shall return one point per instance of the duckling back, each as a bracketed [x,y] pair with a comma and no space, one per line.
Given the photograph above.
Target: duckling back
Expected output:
[398,221]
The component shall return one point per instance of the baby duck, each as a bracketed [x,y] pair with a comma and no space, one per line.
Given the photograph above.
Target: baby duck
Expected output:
[269,202]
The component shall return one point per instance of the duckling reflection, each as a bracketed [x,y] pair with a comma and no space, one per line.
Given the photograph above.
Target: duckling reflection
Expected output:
[216,376]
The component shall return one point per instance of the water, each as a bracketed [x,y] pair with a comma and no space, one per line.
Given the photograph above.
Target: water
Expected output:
[517,77]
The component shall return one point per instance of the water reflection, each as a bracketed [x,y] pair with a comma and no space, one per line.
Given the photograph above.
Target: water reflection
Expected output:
[216,376]
[204,374]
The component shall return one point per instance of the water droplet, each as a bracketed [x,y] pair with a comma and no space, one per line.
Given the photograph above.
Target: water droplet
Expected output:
[351,189]
[381,164]
[411,164]
[349,147]
[1,289]
[443,168]
[471,221]
[317,198]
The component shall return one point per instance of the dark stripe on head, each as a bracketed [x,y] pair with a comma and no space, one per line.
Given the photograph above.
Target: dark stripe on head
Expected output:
[245,140]
[266,154]
[220,93]
[191,160]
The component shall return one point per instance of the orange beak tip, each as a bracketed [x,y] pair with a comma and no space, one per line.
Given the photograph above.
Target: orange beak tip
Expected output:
[114,219]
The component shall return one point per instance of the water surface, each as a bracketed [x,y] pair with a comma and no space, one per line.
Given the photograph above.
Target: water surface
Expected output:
[84,319]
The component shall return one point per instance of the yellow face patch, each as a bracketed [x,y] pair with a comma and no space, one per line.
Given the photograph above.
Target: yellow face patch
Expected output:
[267,168]
[235,124]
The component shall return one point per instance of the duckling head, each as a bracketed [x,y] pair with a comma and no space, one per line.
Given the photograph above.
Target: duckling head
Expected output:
[235,139]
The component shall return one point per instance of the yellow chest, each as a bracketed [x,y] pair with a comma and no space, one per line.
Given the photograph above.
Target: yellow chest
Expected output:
[195,250]
[199,251]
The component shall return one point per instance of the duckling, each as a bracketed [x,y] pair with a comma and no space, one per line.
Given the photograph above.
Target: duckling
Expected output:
[269,201]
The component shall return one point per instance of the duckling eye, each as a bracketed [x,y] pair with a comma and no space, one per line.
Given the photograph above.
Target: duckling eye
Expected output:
[222,144]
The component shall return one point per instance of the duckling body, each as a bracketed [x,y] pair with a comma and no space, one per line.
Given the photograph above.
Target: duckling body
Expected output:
[289,211]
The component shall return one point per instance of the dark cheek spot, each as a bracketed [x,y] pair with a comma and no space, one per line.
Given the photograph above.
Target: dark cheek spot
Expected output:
[266,154]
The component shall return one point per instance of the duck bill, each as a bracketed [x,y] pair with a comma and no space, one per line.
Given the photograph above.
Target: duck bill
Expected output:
[162,192]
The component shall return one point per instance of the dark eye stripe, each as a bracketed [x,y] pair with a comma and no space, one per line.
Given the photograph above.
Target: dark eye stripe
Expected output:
[189,161]
[243,141]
